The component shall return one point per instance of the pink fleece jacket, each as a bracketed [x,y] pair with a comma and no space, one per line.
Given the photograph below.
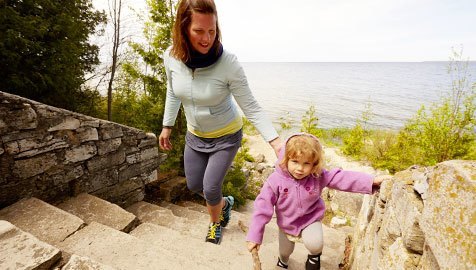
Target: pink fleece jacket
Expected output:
[298,203]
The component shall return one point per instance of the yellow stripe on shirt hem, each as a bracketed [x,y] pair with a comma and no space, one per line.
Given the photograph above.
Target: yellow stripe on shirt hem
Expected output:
[231,128]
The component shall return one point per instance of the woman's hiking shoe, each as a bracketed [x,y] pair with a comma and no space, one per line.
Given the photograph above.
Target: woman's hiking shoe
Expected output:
[226,211]
[281,264]
[214,233]
[313,262]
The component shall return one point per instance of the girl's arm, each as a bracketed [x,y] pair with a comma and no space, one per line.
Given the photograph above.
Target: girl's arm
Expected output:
[352,181]
[349,181]
[262,214]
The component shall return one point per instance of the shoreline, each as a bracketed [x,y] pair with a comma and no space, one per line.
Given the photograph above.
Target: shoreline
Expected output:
[332,155]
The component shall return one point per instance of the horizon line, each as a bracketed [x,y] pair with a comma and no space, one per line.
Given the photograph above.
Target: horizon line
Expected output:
[430,61]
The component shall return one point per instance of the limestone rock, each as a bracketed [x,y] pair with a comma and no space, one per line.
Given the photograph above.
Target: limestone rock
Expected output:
[25,118]
[21,250]
[67,123]
[448,218]
[80,153]
[30,167]
[108,146]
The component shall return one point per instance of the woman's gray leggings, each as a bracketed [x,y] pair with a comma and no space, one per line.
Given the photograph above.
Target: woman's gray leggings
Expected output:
[311,236]
[205,172]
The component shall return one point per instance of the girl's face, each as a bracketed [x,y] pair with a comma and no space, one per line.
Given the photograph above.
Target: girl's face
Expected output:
[202,31]
[300,167]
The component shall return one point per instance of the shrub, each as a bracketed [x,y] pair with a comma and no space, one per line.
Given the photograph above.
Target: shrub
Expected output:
[285,122]
[355,140]
[378,151]
[310,121]
[235,180]
[248,128]
[447,129]
[234,185]
[333,136]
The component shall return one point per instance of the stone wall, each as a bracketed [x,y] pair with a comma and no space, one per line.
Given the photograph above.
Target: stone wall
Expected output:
[424,219]
[51,153]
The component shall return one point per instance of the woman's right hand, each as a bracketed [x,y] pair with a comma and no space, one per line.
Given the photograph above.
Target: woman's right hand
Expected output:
[276,144]
[252,245]
[164,139]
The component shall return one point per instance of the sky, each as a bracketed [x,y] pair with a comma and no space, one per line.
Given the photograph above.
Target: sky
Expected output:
[346,30]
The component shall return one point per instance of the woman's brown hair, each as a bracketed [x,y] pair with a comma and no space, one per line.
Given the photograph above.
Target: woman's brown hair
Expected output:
[181,46]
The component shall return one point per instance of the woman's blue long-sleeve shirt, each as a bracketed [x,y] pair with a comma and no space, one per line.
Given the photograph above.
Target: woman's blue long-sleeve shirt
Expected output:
[206,95]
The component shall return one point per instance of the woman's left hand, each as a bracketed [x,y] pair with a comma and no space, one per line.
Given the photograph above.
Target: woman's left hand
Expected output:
[276,144]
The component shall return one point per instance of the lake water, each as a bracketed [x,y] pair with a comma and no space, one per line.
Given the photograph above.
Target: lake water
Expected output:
[340,91]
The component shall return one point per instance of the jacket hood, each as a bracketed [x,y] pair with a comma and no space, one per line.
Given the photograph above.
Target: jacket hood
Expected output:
[277,165]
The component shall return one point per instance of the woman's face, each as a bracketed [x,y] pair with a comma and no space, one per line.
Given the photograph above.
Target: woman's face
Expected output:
[202,31]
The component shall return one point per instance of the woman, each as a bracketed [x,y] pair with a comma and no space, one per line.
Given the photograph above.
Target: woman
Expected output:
[203,77]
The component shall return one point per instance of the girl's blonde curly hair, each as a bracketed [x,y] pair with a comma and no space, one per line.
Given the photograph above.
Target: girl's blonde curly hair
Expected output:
[306,146]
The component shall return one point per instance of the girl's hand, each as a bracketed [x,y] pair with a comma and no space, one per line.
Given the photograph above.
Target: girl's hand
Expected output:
[252,246]
[380,178]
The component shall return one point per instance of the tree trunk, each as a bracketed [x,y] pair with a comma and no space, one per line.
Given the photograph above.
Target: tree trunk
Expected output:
[116,20]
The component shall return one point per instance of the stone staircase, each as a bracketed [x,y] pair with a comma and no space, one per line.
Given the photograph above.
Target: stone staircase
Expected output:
[86,232]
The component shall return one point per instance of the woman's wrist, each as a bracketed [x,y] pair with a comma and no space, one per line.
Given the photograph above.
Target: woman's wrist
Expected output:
[275,140]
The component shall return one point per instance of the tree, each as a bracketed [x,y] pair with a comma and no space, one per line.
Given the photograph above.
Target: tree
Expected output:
[141,90]
[115,15]
[148,67]
[45,52]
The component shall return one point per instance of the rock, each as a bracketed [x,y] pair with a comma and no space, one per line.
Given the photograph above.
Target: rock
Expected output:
[337,222]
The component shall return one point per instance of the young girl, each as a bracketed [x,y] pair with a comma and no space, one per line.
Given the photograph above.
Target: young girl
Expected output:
[294,190]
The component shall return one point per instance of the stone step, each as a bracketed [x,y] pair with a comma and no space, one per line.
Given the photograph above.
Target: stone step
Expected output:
[191,222]
[330,259]
[333,241]
[121,250]
[186,213]
[45,221]
[188,222]
[147,212]
[77,262]
[21,250]
[331,255]
[233,243]
[173,189]
[194,206]
[184,246]
[203,209]
[91,208]
[230,254]
[52,225]
[173,240]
